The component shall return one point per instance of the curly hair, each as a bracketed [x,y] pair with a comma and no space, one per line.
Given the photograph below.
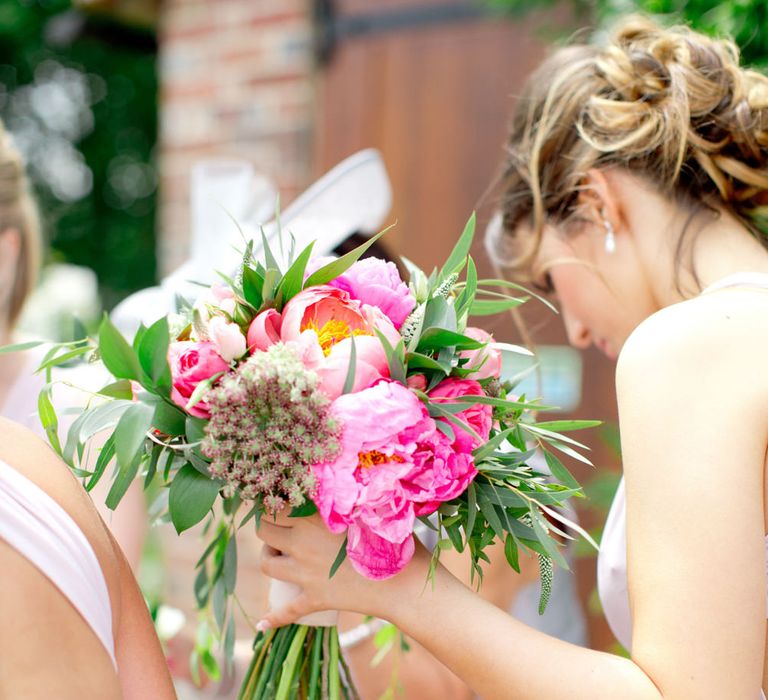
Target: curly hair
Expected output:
[669,104]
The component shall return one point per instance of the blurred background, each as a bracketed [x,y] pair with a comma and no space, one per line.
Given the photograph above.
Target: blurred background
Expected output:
[113,101]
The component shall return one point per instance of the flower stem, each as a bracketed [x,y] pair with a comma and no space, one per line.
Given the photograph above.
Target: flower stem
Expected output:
[288,669]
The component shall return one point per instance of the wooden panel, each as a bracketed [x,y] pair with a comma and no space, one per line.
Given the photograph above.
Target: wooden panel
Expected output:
[436,102]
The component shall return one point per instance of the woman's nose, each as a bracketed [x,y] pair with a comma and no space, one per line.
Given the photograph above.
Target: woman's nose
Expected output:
[578,334]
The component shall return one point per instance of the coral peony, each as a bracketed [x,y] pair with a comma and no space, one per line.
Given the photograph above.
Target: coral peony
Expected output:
[192,363]
[264,330]
[321,321]
[377,282]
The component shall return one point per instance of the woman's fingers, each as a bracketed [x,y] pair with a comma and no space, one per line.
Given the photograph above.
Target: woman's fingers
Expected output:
[276,536]
[279,565]
[286,615]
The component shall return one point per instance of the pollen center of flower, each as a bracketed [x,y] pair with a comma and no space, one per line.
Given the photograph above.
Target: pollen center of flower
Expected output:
[366,460]
[331,332]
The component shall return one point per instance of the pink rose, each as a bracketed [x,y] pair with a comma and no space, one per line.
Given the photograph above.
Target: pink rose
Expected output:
[192,363]
[377,283]
[485,362]
[227,337]
[264,330]
[321,320]
[477,416]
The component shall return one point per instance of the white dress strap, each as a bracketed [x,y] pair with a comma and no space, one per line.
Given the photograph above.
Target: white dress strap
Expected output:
[44,533]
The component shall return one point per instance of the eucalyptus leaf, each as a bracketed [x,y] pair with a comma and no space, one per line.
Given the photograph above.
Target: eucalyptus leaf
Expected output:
[131,432]
[191,497]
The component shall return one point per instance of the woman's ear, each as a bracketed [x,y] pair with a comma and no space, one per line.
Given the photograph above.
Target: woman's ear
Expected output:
[599,199]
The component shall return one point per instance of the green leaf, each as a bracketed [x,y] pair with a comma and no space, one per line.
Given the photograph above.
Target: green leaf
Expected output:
[195,430]
[416,360]
[293,280]
[116,354]
[559,471]
[103,416]
[338,267]
[20,347]
[269,258]
[488,307]
[201,587]
[471,509]
[437,338]
[229,644]
[340,557]
[200,389]
[230,566]
[219,599]
[153,354]
[63,358]
[511,552]
[506,284]
[131,432]
[120,389]
[106,455]
[487,509]
[169,419]
[559,426]
[349,381]
[395,360]
[191,497]
[125,476]
[253,284]
[459,254]
[546,541]
[467,295]
[305,509]
[439,314]
[48,417]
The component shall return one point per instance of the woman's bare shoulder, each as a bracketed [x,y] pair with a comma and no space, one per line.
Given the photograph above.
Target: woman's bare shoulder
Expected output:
[723,332]
[26,453]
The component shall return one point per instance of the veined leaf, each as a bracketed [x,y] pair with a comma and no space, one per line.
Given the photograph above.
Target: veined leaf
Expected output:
[131,431]
[191,497]
[416,360]
[153,354]
[120,389]
[116,354]
[106,454]
[558,470]
[57,360]
[125,475]
[467,295]
[253,284]
[395,359]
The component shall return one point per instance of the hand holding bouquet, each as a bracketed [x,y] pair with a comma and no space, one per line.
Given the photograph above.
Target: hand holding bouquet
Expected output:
[334,387]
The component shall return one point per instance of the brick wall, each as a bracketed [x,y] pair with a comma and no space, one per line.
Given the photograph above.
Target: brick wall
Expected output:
[236,81]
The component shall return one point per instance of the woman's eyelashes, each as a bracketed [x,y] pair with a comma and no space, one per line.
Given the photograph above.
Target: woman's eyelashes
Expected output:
[543,284]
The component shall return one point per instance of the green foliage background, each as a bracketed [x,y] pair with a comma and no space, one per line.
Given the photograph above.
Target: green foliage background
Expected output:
[110,228]
[746,21]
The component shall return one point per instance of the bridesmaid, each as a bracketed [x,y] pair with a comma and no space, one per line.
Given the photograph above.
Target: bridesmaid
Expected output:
[636,178]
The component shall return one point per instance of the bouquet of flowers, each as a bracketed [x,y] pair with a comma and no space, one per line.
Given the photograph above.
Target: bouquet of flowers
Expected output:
[329,386]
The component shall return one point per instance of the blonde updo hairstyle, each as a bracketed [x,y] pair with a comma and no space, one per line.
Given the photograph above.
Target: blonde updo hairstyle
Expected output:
[668,104]
[18,211]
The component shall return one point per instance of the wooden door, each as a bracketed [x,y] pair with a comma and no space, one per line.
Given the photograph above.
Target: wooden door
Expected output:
[434,95]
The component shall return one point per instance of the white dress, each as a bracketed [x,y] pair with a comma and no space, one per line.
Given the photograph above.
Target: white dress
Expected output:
[612,559]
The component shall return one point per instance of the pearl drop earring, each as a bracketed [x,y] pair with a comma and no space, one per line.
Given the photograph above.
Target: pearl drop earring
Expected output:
[610,237]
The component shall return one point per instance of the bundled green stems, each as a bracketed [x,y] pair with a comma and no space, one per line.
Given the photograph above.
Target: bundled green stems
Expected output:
[298,662]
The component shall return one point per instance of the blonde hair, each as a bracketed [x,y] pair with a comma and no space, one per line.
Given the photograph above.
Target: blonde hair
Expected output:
[669,104]
[18,211]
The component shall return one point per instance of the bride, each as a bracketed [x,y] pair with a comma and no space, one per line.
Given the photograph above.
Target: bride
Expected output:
[635,181]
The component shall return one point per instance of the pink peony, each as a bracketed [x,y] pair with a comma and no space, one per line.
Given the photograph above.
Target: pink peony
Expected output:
[192,363]
[227,337]
[394,465]
[264,330]
[485,362]
[377,283]
[320,321]
[478,416]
